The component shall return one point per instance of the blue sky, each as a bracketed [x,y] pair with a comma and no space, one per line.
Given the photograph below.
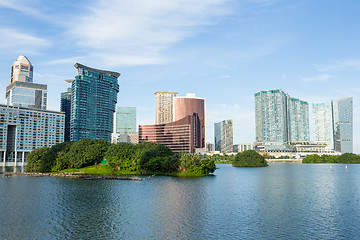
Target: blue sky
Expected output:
[222,50]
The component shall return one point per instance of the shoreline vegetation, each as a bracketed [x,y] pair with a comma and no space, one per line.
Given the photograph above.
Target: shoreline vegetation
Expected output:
[347,158]
[100,158]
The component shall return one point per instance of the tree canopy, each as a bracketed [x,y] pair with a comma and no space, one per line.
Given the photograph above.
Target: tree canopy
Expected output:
[249,158]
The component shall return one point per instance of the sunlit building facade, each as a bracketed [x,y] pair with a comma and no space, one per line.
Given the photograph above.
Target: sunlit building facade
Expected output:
[342,118]
[21,91]
[93,100]
[179,136]
[24,129]
[298,121]
[321,122]
[126,125]
[192,106]
[223,134]
[164,107]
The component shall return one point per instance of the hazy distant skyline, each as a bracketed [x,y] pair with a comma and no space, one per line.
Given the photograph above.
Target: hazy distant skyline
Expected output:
[221,50]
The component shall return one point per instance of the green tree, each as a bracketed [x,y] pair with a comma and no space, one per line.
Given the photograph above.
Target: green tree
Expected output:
[33,161]
[249,158]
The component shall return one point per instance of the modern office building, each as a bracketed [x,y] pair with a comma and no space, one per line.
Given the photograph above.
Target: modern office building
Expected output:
[164,102]
[93,100]
[223,133]
[126,125]
[271,116]
[24,129]
[179,136]
[342,118]
[280,119]
[243,147]
[298,121]
[192,106]
[321,122]
[21,91]
[65,106]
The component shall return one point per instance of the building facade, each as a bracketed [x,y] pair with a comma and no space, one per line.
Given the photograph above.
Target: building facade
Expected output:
[299,129]
[126,125]
[280,119]
[342,118]
[243,147]
[192,106]
[21,91]
[93,100]
[321,122]
[223,134]
[65,106]
[24,129]
[179,136]
[164,107]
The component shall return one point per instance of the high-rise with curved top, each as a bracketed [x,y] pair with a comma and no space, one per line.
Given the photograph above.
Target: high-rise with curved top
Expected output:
[93,100]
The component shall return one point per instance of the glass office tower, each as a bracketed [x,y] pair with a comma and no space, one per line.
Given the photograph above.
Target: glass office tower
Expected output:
[321,122]
[65,106]
[342,115]
[93,100]
[299,121]
[126,125]
[223,133]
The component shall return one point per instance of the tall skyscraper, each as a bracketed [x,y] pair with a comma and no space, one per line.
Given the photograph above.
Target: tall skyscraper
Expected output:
[299,121]
[280,118]
[321,122]
[342,116]
[65,106]
[164,102]
[93,100]
[126,124]
[271,116]
[21,91]
[192,106]
[223,133]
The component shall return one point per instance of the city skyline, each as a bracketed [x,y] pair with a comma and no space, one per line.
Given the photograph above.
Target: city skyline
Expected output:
[216,49]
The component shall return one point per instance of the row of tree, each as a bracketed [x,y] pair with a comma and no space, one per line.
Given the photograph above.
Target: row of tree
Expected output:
[344,158]
[140,158]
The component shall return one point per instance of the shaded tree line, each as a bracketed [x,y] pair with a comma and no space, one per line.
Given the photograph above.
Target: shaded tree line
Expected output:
[344,158]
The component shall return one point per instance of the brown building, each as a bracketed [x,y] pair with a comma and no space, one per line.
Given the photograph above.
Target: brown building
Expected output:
[190,105]
[179,136]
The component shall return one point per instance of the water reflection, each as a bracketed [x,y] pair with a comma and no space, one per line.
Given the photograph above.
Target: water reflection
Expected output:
[286,201]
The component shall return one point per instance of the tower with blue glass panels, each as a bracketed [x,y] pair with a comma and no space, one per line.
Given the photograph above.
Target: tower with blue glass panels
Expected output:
[93,100]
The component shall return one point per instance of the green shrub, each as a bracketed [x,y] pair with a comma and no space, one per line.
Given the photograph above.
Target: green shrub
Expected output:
[249,158]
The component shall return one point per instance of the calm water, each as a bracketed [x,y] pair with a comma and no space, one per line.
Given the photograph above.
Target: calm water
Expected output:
[283,201]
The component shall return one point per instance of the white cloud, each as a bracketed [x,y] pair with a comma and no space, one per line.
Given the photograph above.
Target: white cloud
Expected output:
[137,32]
[339,65]
[319,78]
[21,6]
[13,40]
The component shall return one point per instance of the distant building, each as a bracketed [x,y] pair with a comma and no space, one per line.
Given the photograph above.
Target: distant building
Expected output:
[243,147]
[93,100]
[209,147]
[65,106]
[342,115]
[164,102]
[21,91]
[126,125]
[299,120]
[280,119]
[321,122]
[179,136]
[192,106]
[24,129]
[223,133]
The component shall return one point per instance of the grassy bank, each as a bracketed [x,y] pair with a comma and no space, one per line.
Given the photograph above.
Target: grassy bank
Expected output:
[106,170]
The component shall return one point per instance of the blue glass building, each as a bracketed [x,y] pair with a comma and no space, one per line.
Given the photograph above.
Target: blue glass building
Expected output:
[65,106]
[93,100]
[342,115]
[223,134]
